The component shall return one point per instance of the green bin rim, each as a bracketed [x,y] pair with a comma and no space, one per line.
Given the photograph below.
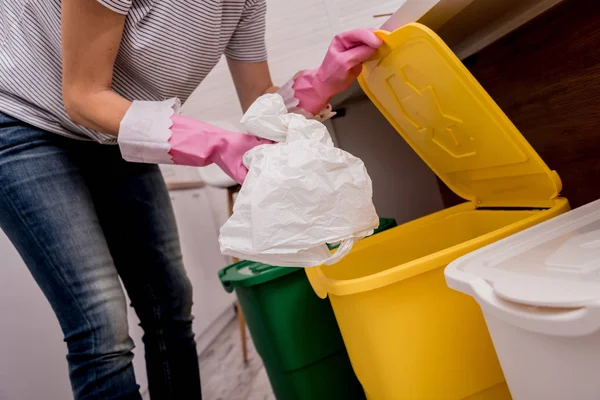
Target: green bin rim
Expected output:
[256,273]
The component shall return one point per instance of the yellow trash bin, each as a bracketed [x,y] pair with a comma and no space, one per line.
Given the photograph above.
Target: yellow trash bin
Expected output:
[408,335]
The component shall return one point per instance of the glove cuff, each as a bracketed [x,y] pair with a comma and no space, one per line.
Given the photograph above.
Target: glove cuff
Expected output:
[145,131]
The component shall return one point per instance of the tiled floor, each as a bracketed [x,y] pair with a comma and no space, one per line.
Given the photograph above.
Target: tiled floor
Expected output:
[224,374]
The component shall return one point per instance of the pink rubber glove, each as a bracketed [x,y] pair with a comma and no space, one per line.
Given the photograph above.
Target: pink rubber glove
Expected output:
[198,144]
[313,89]
[153,132]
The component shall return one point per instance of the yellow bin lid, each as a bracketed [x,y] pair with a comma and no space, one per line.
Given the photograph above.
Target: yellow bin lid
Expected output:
[445,115]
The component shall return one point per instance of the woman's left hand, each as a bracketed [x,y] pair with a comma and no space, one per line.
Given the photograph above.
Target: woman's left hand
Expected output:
[310,91]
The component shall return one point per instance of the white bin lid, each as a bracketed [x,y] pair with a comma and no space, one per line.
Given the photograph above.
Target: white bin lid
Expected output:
[550,271]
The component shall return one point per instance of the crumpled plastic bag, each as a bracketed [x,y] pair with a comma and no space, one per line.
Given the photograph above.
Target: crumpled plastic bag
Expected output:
[300,194]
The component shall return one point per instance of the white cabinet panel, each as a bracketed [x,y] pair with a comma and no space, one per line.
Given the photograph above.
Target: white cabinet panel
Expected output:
[198,232]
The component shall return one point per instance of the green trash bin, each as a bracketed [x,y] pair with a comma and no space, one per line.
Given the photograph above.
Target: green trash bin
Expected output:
[294,332]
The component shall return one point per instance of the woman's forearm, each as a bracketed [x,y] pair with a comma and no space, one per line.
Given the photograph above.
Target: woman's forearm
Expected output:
[251,80]
[101,111]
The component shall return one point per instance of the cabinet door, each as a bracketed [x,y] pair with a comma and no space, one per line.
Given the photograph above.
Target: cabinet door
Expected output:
[217,299]
[199,243]
[191,248]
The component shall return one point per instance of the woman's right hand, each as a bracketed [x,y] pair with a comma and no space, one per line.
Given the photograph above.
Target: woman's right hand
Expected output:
[153,132]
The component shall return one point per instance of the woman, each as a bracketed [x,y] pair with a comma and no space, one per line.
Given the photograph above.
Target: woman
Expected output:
[77,76]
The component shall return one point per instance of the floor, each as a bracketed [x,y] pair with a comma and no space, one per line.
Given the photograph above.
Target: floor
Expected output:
[224,374]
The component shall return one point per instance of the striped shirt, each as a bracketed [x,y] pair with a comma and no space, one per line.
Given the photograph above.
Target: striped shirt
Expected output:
[168,48]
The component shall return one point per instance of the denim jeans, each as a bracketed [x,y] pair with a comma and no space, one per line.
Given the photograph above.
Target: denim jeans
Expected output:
[81,218]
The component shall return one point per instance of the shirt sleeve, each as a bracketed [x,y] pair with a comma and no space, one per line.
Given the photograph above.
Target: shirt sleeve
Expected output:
[248,40]
[119,6]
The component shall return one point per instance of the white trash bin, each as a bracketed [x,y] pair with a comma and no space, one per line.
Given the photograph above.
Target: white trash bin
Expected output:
[539,291]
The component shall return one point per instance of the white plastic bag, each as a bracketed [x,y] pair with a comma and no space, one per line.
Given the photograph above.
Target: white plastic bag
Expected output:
[300,193]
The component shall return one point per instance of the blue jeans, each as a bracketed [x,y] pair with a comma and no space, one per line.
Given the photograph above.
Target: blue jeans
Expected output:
[81,217]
